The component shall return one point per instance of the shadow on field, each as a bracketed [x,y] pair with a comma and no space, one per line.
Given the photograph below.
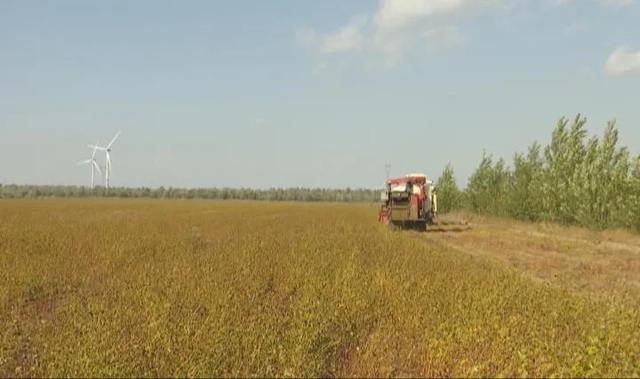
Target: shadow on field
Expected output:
[440,229]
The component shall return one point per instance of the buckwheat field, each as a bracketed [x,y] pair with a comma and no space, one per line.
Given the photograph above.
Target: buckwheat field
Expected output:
[105,287]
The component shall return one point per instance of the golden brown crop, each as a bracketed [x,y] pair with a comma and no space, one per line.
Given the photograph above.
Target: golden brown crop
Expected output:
[207,288]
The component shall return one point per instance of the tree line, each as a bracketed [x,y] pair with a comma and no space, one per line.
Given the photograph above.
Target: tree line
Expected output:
[575,179]
[13,191]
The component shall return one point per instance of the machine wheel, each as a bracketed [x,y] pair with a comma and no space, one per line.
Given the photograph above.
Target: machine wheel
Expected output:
[394,226]
[421,226]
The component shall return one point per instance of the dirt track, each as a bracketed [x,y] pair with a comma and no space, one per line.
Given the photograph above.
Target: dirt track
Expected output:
[598,263]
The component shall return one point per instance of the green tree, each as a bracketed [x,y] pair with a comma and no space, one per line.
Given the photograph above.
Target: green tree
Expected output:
[564,157]
[634,196]
[525,198]
[488,187]
[449,195]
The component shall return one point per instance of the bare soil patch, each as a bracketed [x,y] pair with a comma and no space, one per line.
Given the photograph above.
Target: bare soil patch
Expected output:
[596,262]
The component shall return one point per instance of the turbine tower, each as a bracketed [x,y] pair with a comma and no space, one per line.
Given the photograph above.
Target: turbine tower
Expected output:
[94,166]
[107,150]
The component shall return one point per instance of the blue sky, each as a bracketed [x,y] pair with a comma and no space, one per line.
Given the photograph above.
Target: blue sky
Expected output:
[304,93]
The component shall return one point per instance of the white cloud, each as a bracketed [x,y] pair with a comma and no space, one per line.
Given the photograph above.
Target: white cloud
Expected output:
[400,13]
[347,38]
[396,28]
[604,3]
[622,62]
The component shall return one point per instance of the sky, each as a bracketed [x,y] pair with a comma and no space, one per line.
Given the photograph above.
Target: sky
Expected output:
[303,92]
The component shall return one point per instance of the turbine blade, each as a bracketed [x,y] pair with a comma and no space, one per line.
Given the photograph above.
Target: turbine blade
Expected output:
[97,166]
[85,162]
[114,140]
[96,147]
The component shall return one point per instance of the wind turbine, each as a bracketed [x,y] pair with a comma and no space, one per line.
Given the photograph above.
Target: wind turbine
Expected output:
[94,165]
[107,151]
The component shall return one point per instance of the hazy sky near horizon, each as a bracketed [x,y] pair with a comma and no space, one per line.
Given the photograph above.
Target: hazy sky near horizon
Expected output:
[304,93]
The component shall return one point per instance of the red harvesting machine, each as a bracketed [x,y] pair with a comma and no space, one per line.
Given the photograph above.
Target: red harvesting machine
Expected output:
[408,202]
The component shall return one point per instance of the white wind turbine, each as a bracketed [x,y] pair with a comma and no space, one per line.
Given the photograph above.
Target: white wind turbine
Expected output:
[107,150]
[94,166]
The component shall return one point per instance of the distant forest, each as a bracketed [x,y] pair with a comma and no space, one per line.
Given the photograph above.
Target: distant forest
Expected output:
[575,179]
[274,194]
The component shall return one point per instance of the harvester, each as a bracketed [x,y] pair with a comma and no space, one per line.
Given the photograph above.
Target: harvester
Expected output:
[408,202]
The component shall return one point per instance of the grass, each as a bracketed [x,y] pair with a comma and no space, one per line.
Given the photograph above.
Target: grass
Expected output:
[197,288]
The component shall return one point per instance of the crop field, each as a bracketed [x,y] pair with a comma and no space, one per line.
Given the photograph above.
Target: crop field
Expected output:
[106,287]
